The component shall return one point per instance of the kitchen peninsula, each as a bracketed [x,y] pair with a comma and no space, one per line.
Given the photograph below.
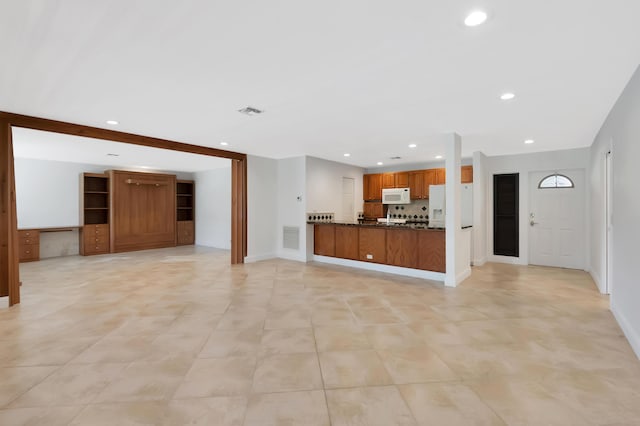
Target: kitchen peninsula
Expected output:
[405,245]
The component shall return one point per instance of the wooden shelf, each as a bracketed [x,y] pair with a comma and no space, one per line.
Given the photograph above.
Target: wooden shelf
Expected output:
[185,213]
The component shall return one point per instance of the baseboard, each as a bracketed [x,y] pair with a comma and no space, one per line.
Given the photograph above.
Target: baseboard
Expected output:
[596,279]
[631,335]
[397,270]
[458,278]
[259,257]
[507,259]
[298,257]
[479,262]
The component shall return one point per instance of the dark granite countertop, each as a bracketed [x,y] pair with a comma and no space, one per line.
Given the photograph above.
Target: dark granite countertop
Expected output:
[411,225]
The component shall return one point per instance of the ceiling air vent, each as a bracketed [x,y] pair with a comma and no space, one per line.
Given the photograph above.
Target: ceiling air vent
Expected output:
[250,111]
[395,158]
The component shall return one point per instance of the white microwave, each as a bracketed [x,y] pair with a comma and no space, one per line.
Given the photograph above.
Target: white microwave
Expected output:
[396,196]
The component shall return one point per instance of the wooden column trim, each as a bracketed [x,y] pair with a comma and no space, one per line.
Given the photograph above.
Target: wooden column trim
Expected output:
[238,211]
[9,268]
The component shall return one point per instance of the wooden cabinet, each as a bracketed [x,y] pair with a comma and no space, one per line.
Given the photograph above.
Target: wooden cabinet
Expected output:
[94,239]
[185,208]
[466,174]
[401,179]
[324,238]
[142,210]
[372,244]
[347,242]
[401,247]
[185,232]
[94,235]
[28,245]
[431,251]
[372,187]
[416,185]
[373,210]
[388,180]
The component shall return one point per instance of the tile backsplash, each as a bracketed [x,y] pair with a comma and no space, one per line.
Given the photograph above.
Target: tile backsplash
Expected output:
[416,211]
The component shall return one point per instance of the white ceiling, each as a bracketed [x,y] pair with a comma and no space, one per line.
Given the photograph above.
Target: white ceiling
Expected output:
[361,76]
[76,149]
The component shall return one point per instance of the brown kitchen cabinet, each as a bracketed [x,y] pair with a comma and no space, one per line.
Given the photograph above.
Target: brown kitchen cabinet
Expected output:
[373,210]
[416,185]
[388,180]
[401,179]
[401,247]
[372,187]
[466,174]
[347,242]
[324,237]
[372,243]
[28,245]
[431,251]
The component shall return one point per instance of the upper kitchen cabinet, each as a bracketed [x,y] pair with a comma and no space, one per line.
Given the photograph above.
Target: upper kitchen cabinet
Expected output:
[372,187]
[416,185]
[388,180]
[466,174]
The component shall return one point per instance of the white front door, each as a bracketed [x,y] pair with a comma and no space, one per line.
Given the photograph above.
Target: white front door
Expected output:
[556,221]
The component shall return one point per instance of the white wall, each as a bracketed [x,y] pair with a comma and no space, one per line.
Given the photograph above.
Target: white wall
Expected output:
[291,193]
[523,164]
[262,208]
[621,131]
[213,208]
[48,192]
[324,186]
[479,240]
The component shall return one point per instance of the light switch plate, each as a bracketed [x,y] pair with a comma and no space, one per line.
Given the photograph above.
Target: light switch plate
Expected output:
[369,256]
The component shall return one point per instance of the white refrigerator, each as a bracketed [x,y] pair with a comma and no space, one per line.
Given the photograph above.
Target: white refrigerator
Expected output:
[438,205]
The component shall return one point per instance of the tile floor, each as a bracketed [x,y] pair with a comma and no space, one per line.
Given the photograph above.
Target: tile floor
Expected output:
[178,336]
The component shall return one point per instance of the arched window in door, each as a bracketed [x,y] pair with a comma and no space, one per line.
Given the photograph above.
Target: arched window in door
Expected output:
[555,181]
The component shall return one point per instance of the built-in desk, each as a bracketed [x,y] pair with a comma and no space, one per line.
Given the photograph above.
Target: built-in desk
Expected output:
[29,241]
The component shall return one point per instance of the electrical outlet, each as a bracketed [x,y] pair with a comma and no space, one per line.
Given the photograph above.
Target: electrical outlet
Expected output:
[369,256]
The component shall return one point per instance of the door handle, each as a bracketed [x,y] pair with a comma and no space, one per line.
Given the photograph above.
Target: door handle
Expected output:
[531,222]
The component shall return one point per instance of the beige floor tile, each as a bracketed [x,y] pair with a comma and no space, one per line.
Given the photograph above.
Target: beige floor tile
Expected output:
[217,377]
[14,381]
[415,365]
[447,404]
[145,325]
[219,411]
[526,402]
[236,342]
[145,381]
[167,347]
[370,406]
[290,408]
[287,373]
[242,318]
[332,317]
[73,383]
[117,348]
[341,338]
[459,313]
[392,336]
[122,414]
[44,352]
[375,316]
[353,369]
[285,341]
[39,416]
[288,319]
[194,324]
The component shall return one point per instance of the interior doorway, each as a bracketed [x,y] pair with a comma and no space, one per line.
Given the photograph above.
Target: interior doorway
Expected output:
[557,219]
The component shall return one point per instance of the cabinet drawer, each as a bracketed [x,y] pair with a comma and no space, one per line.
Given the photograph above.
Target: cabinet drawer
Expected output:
[102,229]
[29,237]
[185,232]
[28,252]
[96,248]
[92,239]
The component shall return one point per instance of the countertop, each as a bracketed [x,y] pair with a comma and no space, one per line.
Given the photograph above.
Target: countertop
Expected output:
[410,225]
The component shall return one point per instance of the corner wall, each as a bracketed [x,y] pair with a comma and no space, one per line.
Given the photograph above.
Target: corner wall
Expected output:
[291,196]
[213,208]
[262,208]
[621,132]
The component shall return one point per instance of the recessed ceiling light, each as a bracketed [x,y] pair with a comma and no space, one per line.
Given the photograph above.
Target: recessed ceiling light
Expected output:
[380,163]
[507,96]
[224,143]
[412,145]
[475,18]
[529,141]
[112,122]
[347,154]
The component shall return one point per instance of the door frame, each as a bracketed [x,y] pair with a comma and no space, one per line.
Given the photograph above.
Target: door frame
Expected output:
[9,270]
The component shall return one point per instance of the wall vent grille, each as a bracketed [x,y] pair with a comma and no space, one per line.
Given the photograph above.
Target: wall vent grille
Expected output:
[291,237]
